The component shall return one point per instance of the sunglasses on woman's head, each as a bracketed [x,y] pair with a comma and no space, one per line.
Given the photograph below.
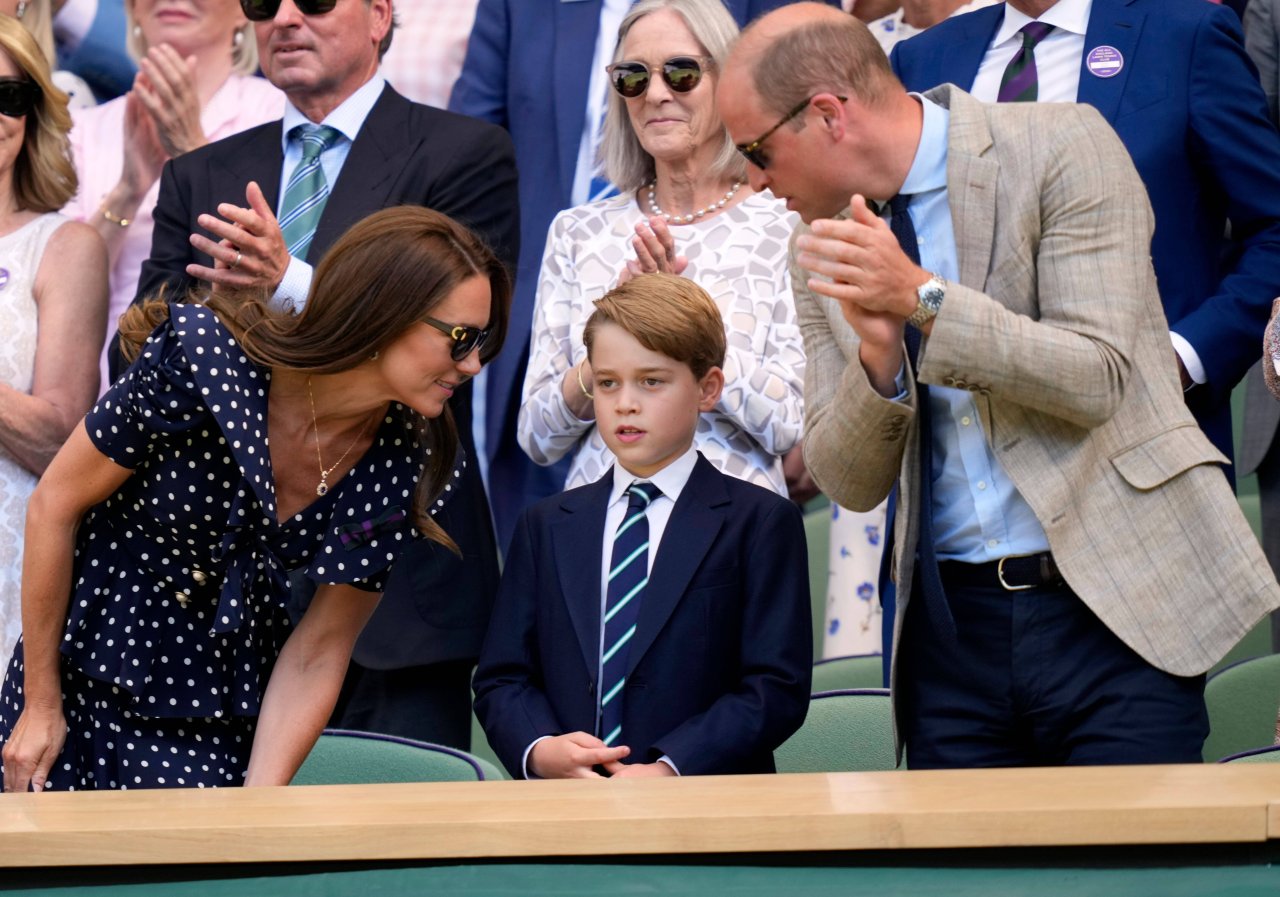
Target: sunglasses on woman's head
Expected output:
[262,10]
[681,74]
[465,339]
[18,96]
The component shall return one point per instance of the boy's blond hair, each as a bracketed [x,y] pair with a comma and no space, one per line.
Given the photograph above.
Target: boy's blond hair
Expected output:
[667,314]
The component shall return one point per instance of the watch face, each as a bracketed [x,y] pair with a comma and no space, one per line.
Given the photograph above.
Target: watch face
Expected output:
[930,294]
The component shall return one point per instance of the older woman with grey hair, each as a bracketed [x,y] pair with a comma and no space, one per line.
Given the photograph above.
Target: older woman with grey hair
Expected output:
[685,208]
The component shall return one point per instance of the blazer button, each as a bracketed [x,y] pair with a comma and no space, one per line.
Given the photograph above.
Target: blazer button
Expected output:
[199,577]
[182,598]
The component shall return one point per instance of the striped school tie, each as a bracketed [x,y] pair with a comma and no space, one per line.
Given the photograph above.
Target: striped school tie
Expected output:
[307,190]
[628,575]
[1020,83]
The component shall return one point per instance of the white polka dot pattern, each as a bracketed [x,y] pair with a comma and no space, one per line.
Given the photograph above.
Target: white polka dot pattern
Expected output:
[181,577]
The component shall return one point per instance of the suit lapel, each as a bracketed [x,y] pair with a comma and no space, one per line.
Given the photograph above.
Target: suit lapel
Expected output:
[971,185]
[577,25]
[1111,24]
[369,171]
[963,53]
[260,160]
[576,538]
[695,523]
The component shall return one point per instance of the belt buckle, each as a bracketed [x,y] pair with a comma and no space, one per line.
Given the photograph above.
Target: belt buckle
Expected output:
[1000,573]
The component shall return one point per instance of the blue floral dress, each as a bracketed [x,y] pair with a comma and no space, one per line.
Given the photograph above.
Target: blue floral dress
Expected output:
[177,612]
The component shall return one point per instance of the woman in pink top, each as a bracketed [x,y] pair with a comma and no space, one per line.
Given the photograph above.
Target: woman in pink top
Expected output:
[194,85]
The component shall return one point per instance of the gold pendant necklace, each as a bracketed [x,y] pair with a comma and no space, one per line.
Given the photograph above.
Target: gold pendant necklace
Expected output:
[322,488]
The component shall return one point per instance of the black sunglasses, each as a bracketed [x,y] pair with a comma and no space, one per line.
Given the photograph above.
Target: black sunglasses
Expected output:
[681,73]
[751,151]
[262,10]
[465,339]
[18,96]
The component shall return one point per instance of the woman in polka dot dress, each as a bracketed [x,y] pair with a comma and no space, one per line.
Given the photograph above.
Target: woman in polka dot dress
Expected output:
[241,445]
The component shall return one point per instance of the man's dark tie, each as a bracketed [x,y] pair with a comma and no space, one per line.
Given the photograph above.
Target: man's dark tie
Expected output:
[935,597]
[1020,83]
[628,575]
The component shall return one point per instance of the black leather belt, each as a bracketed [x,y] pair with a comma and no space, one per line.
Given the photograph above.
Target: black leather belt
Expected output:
[1013,573]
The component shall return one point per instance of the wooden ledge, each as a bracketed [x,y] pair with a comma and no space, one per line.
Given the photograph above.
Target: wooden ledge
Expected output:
[845,811]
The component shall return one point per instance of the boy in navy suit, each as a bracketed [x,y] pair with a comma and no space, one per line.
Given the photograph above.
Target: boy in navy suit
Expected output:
[655,622]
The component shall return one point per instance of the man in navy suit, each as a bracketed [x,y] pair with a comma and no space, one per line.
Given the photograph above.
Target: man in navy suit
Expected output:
[662,634]
[531,68]
[1173,79]
[410,671]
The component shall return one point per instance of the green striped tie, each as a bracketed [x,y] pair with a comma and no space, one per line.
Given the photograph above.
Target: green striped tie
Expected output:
[307,190]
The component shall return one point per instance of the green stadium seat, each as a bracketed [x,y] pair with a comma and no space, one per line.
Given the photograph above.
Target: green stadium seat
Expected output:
[1268,754]
[855,671]
[346,757]
[845,731]
[1242,701]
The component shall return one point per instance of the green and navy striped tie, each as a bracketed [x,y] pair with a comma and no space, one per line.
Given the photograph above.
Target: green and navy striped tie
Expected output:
[628,575]
[307,190]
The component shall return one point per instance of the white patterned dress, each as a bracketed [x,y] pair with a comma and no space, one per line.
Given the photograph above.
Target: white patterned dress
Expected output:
[740,258]
[20,254]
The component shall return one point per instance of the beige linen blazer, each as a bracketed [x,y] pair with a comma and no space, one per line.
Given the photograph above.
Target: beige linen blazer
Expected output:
[1056,327]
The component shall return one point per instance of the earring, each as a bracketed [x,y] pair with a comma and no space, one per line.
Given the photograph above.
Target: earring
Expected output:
[137,32]
[22,8]
[237,38]
[374,356]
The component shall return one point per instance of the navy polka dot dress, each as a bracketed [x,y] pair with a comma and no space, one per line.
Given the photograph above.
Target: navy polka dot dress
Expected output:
[181,578]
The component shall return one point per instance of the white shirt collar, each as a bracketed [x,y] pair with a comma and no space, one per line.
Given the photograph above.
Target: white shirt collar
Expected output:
[1065,15]
[347,119]
[671,479]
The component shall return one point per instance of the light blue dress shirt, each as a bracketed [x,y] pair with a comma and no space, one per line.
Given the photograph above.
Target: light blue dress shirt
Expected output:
[348,118]
[978,514]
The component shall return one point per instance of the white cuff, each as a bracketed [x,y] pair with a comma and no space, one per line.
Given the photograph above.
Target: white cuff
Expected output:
[524,761]
[291,295]
[1190,359]
[667,760]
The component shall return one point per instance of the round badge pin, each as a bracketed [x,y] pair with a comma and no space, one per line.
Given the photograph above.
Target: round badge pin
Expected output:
[1104,62]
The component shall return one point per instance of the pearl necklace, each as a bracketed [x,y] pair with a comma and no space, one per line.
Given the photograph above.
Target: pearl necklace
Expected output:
[692,216]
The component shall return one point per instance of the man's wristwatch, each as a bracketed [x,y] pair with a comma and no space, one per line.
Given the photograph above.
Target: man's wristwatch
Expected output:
[929,296]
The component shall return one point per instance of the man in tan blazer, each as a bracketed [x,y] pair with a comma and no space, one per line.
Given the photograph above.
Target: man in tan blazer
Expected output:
[1083,561]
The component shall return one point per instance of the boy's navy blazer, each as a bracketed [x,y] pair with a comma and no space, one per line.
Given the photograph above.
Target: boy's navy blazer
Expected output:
[1188,106]
[719,669]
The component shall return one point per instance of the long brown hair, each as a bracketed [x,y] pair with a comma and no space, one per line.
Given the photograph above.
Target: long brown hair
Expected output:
[381,277]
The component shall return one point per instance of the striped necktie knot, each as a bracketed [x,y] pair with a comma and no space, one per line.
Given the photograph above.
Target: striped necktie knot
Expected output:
[640,496]
[1020,82]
